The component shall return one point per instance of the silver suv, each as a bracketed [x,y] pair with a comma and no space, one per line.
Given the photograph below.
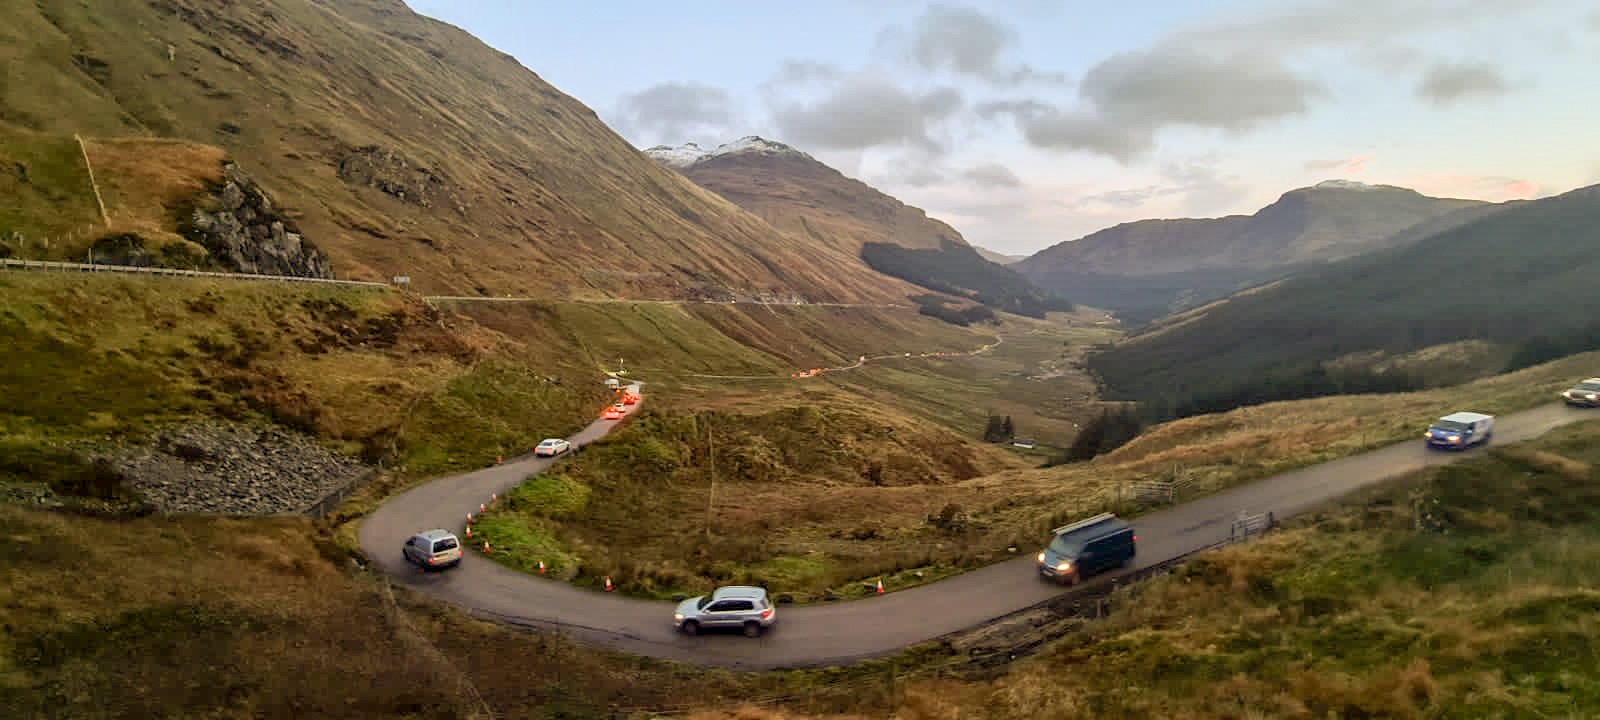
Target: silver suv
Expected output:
[434,549]
[730,606]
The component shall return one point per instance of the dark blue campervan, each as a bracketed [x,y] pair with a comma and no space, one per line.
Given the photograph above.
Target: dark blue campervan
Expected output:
[1087,547]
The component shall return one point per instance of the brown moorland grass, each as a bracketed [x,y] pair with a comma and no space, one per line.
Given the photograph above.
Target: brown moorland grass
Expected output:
[812,534]
[1393,604]
[248,618]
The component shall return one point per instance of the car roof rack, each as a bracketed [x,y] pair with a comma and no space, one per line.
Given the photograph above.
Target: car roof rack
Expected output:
[1079,525]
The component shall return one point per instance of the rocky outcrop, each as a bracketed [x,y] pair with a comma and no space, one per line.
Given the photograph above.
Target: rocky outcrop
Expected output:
[390,173]
[246,233]
[233,468]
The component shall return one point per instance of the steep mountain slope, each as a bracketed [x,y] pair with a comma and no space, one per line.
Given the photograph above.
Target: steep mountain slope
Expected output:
[1150,267]
[797,193]
[1522,274]
[794,191]
[404,146]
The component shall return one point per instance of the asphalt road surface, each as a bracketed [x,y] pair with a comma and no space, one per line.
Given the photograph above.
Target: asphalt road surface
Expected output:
[844,632]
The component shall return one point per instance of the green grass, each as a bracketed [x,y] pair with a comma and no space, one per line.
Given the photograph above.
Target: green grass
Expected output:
[522,541]
[487,412]
[47,191]
[549,495]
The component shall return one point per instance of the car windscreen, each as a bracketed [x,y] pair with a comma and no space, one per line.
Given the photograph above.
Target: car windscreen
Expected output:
[1066,546]
[1450,426]
[1589,386]
[704,602]
[447,543]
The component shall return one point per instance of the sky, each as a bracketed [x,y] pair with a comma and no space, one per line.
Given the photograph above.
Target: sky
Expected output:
[1024,123]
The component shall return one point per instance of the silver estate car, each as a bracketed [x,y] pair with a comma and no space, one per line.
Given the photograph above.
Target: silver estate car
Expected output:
[434,549]
[731,606]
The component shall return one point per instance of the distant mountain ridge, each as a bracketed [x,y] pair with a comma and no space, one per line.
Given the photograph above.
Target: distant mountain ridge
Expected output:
[1520,276]
[1148,268]
[799,194]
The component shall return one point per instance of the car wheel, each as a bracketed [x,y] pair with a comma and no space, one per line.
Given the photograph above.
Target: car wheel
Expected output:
[752,629]
[691,627]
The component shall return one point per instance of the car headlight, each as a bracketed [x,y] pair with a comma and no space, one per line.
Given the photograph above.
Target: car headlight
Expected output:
[1592,396]
[677,617]
[1454,438]
[1063,567]
[1041,557]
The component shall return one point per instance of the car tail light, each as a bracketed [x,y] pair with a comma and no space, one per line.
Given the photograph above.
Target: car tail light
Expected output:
[766,613]
[1136,538]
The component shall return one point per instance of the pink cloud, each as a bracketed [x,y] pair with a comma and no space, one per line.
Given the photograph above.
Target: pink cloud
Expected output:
[1493,188]
[1354,165]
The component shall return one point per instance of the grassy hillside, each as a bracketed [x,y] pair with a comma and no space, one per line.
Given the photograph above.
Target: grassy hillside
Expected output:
[957,269]
[811,494]
[206,616]
[1462,591]
[376,373]
[1518,276]
[402,146]
[53,212]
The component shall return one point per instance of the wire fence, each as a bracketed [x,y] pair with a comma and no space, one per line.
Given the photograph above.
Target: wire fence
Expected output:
[17,264]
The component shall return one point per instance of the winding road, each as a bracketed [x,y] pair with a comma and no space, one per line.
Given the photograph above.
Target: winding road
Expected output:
[846,632]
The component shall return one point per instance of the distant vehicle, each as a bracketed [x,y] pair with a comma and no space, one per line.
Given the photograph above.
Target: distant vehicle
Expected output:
[1087,547]
[629,398]
[433,549]
[551,447]
[1460,430]
[612,382]
[1584,394]
[731,606]
[614,412]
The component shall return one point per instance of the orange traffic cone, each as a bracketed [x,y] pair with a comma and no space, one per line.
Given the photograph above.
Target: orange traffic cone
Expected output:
[481,507]
[541,567]
[469,518]
[880,585]
[469,531]
[499,459]
[493,497]
[486,547]
[609,587]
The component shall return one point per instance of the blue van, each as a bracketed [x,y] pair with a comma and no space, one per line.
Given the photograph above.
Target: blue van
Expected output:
[1088,547]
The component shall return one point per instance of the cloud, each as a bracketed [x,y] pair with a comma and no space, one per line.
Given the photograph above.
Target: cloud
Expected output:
[1127,99]
[1201,188]
[964,41]
[1345,24]
[1179,86]
[1446,83]
[865,111]
[799,72]
[960,39]
[1493,188]
[992,175]
[1080,130]
[1354,165]
[675,112]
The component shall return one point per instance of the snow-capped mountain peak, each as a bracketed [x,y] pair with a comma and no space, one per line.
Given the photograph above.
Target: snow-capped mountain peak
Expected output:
[689,154]
[1340,184]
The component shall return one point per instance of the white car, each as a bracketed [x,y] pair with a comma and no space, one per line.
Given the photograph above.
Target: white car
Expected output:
[552,447]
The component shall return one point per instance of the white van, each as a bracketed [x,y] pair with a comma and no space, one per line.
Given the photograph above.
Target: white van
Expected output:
[1460,430]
